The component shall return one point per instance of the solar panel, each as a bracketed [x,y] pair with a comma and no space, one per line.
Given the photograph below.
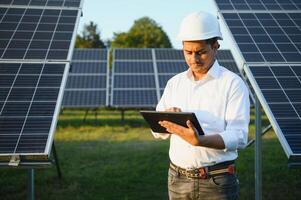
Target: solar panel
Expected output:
[259,4]
[31,33]
[279,87]
[29,96]
[267,37]
[87,84]
[49,3]
[134,80]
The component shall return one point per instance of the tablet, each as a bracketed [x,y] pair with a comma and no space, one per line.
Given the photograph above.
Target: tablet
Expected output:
[153,118]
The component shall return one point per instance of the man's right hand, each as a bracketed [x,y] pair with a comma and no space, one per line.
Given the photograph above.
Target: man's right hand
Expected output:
[173,109]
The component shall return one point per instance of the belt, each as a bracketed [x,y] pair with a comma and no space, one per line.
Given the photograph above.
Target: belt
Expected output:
[206,172]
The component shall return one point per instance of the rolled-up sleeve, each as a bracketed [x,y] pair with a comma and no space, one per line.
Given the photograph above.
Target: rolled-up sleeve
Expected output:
[237,117]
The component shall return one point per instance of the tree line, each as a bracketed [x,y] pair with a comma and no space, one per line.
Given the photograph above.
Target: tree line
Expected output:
[145,33]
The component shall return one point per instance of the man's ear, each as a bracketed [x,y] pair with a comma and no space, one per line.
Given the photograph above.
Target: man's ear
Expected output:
[216,45]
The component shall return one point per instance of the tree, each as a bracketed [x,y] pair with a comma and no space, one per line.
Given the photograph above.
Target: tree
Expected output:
[90,37]
[145,33]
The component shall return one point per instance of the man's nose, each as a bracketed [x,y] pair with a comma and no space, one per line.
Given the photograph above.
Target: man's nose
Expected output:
[196,57]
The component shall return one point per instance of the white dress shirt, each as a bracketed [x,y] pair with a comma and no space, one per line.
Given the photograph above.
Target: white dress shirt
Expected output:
[221,104]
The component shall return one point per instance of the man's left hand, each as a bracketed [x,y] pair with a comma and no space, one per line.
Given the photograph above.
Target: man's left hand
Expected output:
[188,134]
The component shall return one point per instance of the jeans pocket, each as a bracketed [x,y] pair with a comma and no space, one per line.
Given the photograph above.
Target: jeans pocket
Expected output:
[172,175]
[224,180]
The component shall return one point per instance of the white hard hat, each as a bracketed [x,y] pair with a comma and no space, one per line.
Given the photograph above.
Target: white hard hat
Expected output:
[199,26]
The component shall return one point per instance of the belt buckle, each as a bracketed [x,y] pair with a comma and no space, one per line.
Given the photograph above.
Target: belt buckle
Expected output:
[203,172]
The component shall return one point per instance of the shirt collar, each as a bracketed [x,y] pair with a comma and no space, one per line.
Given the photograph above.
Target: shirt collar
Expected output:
[213,71]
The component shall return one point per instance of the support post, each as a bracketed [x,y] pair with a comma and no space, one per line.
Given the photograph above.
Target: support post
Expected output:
[95,116]
[56,160]
[258,151]
[31,186]
[122,116]
[86,113]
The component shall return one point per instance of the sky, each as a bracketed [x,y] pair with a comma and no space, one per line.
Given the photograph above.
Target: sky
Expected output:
[119,15]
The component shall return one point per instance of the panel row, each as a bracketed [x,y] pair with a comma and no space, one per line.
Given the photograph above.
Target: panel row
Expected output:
[137,79]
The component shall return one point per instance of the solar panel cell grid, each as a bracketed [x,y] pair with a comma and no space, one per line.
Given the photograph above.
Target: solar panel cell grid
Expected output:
[281,88]
[172,67]
[169,54]
[84,55]
[87,81]
[134,81]
[133,67]
[28,101]
[259,42]
[88,68]
[163,80]
[258,4]
[135,98]
[36,33]
[133,54]
[84,98]
[58,3]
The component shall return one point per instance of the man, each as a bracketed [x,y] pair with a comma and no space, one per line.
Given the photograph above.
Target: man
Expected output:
[202,166]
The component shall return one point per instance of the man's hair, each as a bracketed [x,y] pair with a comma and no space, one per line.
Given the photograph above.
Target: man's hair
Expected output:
[211,41]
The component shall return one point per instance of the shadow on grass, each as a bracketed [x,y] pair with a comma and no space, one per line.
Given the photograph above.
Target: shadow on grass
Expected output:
[76,122]
[76,118]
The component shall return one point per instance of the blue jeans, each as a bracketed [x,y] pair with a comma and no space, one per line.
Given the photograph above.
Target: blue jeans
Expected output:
[218,187]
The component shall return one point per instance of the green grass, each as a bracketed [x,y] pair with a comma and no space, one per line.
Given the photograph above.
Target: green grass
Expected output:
[106,159]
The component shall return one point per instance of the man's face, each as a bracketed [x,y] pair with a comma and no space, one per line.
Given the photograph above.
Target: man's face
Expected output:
[199,55]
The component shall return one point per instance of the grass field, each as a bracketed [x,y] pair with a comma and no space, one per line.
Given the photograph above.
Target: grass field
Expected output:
[106,159]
